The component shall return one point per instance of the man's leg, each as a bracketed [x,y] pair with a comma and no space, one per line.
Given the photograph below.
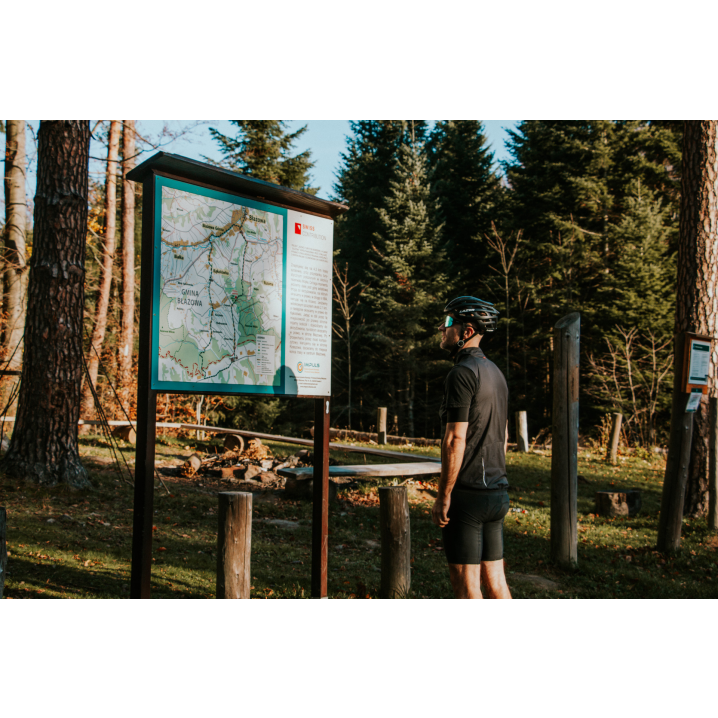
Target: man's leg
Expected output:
[494,579]
[465,580]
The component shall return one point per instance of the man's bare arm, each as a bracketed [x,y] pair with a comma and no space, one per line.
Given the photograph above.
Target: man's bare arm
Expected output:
[506,441]
[452,456]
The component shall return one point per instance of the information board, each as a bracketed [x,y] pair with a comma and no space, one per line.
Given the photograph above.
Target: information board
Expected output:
[241,295]
[699,361]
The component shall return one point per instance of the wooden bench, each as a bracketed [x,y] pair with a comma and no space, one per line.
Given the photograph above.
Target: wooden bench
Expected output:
[368,471]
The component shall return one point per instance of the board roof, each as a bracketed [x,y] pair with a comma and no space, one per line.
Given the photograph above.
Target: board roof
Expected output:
[186,168]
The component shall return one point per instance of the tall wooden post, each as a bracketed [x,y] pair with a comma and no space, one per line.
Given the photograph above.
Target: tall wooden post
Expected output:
[395,542]
[320,512]
[522,432]
[234,544]
[381,425]
[713,465]
[678,461]
[612,453]
[564,450]
[146,414]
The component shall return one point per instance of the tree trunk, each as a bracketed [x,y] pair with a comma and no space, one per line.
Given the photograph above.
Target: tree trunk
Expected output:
[43,448]
[103,296]
[126,343]
[15,256]
[697,303]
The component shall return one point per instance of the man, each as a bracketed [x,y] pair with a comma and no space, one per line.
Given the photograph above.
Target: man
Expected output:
[473,497]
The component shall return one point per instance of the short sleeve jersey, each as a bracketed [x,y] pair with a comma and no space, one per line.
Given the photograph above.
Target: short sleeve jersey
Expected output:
[475,391]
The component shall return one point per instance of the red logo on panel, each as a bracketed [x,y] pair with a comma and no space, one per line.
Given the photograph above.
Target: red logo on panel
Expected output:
[297,228]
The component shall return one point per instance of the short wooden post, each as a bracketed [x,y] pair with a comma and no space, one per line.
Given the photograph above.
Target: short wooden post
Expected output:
[381,425]
[3,548]
[713,464]
[679,454]
[395,542]
[612,453]
[234,544]
[564,450]
[199,435]
[522,432]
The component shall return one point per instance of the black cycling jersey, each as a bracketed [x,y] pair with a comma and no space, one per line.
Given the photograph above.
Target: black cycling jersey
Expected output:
[475,391]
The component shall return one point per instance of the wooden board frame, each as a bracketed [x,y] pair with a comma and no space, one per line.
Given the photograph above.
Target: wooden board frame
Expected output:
[204,175]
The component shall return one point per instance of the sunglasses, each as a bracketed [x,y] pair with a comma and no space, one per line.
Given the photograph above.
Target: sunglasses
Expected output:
[450,321]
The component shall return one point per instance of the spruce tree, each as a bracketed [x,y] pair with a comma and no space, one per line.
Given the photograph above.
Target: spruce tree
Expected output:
[263,149]
[408,287]
[467,191]
[364,180]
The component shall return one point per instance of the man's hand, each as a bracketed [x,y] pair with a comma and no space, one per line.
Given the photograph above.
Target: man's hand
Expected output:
[440,511]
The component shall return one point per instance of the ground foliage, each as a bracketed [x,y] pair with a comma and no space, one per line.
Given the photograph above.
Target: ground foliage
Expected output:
[72,544]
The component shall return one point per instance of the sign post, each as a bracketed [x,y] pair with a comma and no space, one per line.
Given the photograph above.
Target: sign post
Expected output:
[235,298]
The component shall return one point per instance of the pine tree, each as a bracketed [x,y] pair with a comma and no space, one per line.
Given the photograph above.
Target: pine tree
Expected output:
[263,149]
[14,290]
[108,257]
[467,191]
[409,285]
[43,448]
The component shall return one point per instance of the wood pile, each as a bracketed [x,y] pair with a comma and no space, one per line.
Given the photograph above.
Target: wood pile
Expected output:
[244,466]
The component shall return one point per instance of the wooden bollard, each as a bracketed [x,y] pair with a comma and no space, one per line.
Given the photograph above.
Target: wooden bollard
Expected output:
[712,464]
[612,453]
[395,542]
[381,425]
[522,432]
[3,548]
[234,544]
[564,449]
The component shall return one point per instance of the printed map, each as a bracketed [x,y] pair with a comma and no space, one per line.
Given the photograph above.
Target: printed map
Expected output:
[220,291]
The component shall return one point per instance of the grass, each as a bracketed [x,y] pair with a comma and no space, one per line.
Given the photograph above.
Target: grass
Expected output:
[69,544]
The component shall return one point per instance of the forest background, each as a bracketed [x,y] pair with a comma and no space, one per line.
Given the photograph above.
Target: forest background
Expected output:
[579,216]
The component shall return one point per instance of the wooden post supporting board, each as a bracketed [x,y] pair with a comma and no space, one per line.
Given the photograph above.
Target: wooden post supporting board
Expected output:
[564,450]
[320,512]
[612,454]
[713,464]
[522,432]
[234,544]
[146,414]
[679,455]
[395,542]
[381,425]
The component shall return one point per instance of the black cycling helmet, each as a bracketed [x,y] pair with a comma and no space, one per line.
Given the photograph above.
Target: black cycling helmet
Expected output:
[471,309]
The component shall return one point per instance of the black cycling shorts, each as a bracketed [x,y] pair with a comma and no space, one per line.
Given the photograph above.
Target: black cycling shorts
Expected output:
[475,531]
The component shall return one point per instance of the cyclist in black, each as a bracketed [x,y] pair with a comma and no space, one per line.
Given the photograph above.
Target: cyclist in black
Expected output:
[473,497]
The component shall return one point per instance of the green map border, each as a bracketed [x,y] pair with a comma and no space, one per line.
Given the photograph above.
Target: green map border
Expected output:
[214,388]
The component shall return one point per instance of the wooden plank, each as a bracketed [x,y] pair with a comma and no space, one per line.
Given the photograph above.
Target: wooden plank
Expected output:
[234,544]
[417,468]
[320,509]
[395,542]
[564,451]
